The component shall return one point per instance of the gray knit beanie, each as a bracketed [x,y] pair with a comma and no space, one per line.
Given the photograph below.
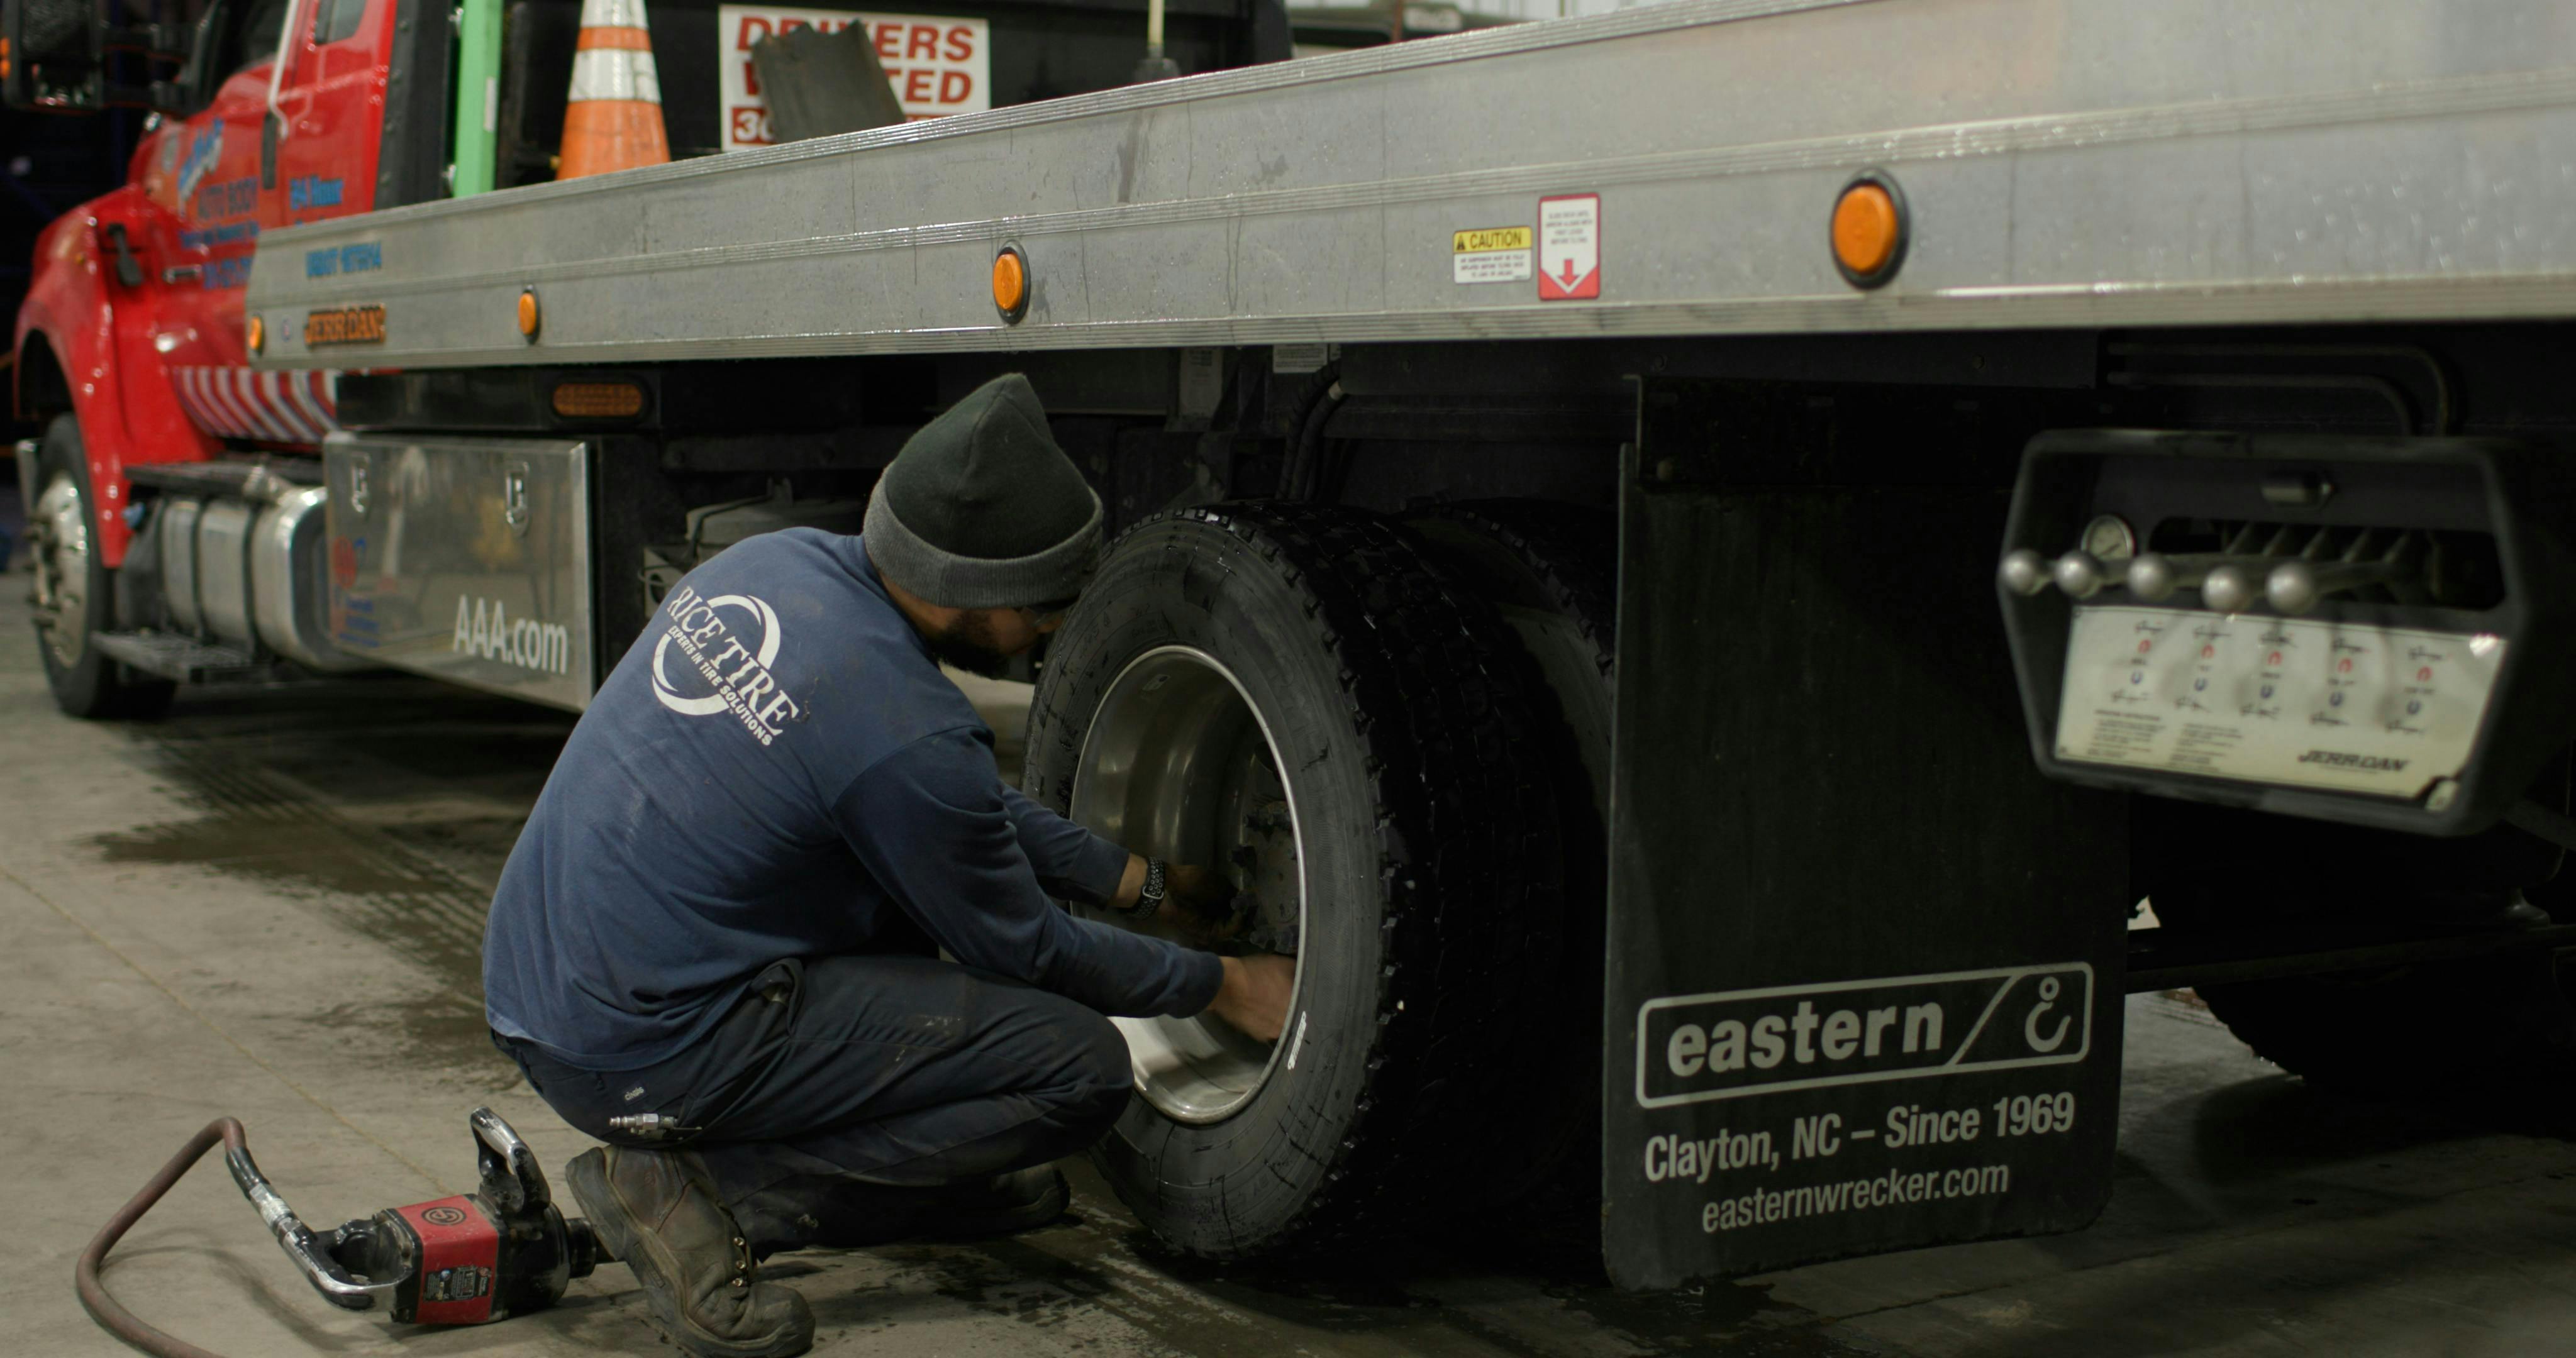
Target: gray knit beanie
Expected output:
[981,509]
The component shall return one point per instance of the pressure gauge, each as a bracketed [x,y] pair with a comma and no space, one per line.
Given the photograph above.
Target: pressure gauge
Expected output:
[2108,538]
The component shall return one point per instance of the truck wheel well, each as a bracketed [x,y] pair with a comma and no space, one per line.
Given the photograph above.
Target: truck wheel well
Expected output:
[42,390]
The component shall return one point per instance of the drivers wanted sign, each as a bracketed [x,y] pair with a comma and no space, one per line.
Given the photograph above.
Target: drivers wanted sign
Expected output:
[936,64]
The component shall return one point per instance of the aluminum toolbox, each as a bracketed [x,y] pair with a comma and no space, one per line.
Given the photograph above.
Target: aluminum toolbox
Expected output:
[467,560]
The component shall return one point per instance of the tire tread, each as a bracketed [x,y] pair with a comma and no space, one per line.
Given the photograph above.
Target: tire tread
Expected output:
[1468,854]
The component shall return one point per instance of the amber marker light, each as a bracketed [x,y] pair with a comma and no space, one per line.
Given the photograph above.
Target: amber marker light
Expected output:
[1869,229]
[598,400]
[1011,284]
[256,334]
[528,314]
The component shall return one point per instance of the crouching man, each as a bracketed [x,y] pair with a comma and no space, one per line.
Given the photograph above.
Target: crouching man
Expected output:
[715,945]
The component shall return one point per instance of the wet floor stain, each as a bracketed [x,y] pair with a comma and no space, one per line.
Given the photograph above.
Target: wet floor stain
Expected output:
[420,911]
[443,1031]
[417,910]
[1446,1293]
[393,831]
[248,847]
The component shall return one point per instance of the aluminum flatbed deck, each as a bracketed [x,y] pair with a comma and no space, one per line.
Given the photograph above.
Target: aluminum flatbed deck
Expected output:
[2064,163]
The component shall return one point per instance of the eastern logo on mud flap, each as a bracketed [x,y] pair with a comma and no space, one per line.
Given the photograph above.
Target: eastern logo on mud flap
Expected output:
[1692,1048]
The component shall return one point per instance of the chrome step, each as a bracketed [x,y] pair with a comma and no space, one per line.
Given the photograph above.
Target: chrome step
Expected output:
[183,658]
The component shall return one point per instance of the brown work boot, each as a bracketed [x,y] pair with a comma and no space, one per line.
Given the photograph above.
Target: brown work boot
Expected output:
[832,1212]
[1005,1204]
[663,1220]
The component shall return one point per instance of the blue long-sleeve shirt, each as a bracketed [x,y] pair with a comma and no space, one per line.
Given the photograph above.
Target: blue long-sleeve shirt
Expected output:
[777,768]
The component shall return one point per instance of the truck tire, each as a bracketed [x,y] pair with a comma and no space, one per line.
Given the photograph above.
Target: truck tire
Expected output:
[2493,1033]
[1551,572]
[73,590]
[1298,692]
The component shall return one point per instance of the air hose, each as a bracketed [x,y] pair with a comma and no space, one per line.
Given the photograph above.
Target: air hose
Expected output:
[103,1308]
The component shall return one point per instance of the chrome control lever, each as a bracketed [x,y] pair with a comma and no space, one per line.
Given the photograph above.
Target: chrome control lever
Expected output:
[2154,576]
[2226,580]
[2294,587]
[2228,588]
[2081,575]
[2023,571]
[2229,582]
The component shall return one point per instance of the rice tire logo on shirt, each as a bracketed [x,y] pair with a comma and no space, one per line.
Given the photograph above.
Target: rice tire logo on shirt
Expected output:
[709,635]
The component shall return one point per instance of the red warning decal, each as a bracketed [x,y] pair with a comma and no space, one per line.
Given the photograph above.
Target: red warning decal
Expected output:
[1569,247]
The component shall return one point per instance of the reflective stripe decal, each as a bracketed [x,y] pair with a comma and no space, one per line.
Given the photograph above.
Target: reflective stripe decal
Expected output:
[614,73]
[272,407]
[248,387]
[262,417]
[283,407]
[622,39]
[612,14]
[300,391]
[184,381]
[220,398]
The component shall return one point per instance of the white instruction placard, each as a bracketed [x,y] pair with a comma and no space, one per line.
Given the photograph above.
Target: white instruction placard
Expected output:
[1569,247]
[2274,700]
[937,64]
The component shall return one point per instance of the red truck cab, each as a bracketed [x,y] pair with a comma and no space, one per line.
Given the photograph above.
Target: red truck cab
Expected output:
[133,318]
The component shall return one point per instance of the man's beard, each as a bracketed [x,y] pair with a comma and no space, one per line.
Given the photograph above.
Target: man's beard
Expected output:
[968,644]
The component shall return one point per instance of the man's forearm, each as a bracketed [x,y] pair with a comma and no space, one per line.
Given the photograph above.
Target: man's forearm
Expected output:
[1069,860]
[1131,884]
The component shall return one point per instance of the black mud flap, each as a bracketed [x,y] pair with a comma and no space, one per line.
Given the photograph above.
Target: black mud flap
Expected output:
[1865,962]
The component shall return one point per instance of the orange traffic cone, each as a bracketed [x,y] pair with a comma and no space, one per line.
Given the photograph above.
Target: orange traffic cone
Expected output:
[614,119]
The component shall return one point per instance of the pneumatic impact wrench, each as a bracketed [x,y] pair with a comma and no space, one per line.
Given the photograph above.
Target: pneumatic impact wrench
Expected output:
[502,1250]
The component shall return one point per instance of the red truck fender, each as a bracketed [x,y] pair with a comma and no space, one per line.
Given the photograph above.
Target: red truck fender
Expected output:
[82,328]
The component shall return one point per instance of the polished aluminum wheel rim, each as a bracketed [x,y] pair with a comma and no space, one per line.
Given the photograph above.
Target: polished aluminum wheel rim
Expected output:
[1180,765]
[60,551]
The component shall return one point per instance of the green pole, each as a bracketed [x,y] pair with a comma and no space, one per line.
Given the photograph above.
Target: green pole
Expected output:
[478,96]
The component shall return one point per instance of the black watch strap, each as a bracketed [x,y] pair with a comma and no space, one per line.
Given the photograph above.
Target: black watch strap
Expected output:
[1149,898]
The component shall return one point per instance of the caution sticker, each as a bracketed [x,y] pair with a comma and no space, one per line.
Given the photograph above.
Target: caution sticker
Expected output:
[1569,247]
[1494,254]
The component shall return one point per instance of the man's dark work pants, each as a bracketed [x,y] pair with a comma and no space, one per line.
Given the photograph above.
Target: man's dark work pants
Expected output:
[840,1089]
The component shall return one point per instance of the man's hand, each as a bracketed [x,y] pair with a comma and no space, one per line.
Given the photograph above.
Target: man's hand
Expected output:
[1197,901]
[1254,995]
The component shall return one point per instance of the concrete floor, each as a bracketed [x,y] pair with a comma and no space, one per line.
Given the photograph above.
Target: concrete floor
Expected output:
[270,906]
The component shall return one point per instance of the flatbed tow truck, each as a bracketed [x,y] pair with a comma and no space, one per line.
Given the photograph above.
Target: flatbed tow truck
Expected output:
[1699,563]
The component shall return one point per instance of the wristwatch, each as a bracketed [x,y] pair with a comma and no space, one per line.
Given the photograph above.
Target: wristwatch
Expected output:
[1150,899]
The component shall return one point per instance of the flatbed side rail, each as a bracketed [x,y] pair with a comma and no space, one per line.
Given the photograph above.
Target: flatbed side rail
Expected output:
[2074,164]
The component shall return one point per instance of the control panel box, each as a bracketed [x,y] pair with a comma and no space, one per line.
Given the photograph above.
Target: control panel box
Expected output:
[2372,631]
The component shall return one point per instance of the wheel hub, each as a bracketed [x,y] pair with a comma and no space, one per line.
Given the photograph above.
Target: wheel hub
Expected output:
[58,539]
[1180,765]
